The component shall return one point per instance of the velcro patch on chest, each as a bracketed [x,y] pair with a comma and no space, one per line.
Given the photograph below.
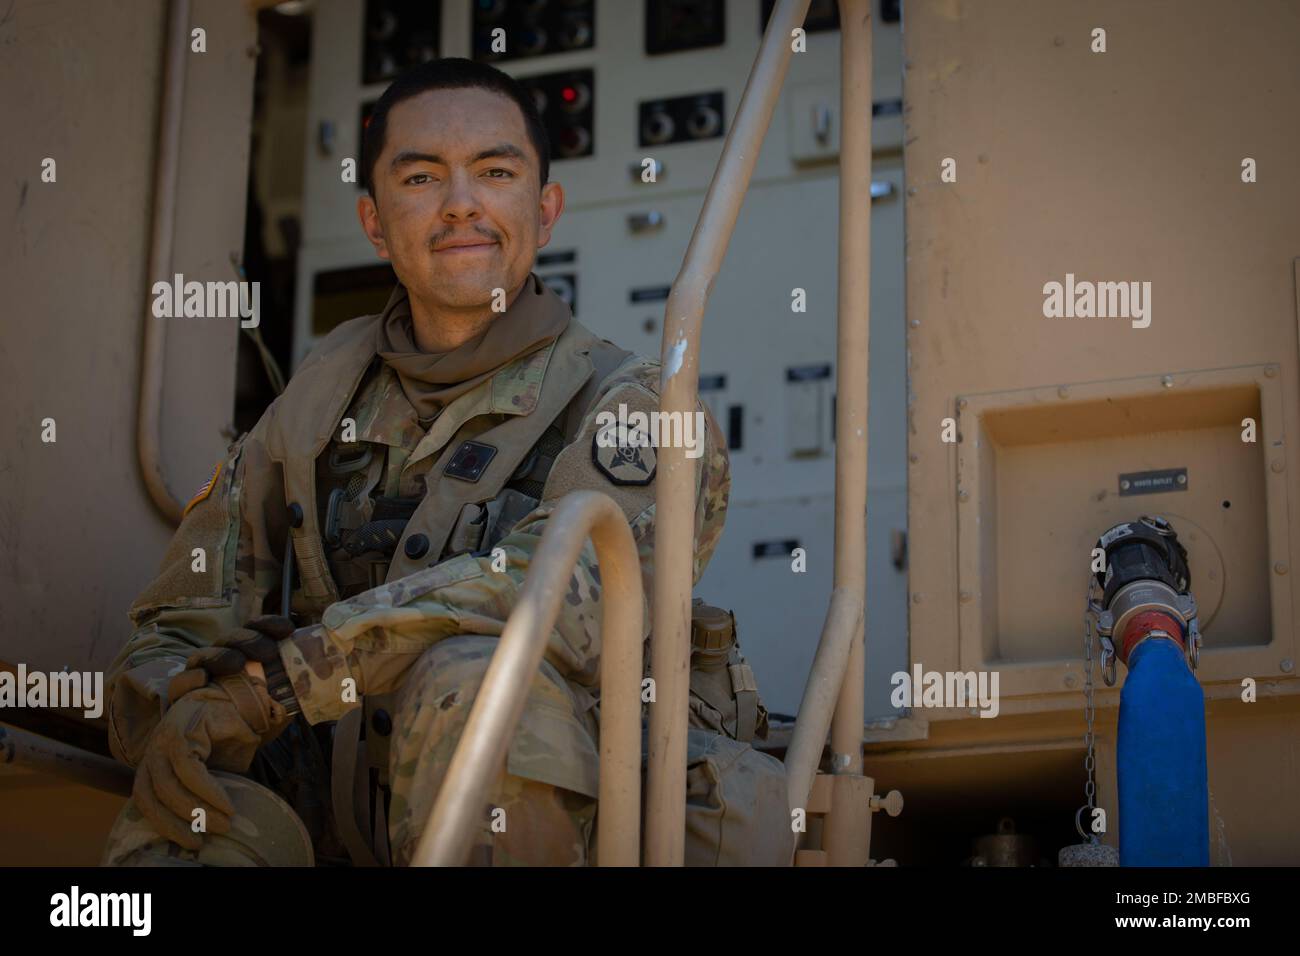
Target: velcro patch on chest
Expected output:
[470,461]
[624,455]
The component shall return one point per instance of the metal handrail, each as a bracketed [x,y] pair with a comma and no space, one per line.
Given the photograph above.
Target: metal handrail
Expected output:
[46,755]
[153,350]
[825,680]
[832,669]
[481,752]
[670,648]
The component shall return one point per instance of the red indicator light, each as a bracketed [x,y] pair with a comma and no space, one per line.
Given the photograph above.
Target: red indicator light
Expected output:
[569,94]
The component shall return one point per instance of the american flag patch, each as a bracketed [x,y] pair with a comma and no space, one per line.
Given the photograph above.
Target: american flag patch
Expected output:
[204,491]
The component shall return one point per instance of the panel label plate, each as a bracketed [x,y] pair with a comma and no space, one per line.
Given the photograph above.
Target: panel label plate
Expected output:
[1153,482]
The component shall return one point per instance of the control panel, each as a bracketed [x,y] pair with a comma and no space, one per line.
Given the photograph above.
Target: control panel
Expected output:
[675,25]
[680,119]
[399,34]
[567,104]
[518,29]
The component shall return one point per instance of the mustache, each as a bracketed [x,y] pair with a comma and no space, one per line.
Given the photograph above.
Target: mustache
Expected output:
[442,237]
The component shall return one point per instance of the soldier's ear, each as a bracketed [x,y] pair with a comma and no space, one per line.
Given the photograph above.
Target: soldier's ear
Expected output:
[551,208]
[368,213]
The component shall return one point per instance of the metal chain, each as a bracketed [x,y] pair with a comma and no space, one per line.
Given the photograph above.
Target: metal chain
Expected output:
[1089,712]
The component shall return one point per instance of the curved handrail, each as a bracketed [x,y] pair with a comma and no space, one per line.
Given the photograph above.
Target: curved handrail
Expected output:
[148,428]
[481,752]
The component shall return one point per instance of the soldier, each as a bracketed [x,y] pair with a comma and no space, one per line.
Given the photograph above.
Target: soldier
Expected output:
[412,452]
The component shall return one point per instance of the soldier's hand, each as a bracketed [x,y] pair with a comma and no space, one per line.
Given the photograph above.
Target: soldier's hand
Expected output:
[218,725]
[258,640]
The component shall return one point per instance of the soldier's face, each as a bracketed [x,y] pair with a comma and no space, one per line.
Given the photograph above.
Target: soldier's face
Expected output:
[457,168]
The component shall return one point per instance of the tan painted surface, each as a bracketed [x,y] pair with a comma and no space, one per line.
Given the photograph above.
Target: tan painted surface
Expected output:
[80,84]
[44,821]
[1116,166]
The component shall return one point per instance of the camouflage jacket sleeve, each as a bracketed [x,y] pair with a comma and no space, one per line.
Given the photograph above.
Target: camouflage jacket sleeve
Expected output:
[222,563]
[365,644]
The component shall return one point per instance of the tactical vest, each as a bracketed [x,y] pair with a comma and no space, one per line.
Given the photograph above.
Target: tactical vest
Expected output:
[487,472]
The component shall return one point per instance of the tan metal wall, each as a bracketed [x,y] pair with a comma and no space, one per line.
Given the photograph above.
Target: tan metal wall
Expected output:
[1116,166]
[80,82]
[1122,165]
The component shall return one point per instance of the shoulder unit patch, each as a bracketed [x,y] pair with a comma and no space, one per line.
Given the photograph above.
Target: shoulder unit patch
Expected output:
[629,459]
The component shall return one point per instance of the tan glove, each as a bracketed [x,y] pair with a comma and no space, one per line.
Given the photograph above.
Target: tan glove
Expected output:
[258,640]
[219,725]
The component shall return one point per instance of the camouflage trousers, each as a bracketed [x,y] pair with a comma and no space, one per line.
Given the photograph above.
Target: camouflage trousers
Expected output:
[540,811]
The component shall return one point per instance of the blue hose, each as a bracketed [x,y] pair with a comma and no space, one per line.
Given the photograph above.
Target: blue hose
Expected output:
[1163,787]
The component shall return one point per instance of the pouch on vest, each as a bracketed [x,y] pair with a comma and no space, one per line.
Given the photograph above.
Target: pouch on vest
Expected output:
[724,694]
[736,803]
[480,526]
[360,553]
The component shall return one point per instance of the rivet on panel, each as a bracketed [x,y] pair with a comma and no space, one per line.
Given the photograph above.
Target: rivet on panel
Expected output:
[1278,466]
[1062,392]
[966,597]
[1281,567]
[915,323]
[1286,665]
[914,458]
[1070,680]
[1270,371]
[1167,381]
[961,403]
[916,597]
[963,495]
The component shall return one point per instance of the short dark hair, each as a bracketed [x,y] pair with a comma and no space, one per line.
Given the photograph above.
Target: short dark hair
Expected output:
[450,73]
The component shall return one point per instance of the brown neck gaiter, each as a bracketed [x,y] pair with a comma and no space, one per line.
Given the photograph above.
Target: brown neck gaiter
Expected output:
[431,380]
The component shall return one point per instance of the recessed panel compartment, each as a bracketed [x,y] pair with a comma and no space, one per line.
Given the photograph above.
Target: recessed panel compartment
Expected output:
[1042,472]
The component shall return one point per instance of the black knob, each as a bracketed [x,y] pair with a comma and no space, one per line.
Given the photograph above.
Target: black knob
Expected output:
[417,546]
[381,723]
[295,515]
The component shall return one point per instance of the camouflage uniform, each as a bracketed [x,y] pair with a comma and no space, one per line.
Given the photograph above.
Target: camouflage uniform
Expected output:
[424,623]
